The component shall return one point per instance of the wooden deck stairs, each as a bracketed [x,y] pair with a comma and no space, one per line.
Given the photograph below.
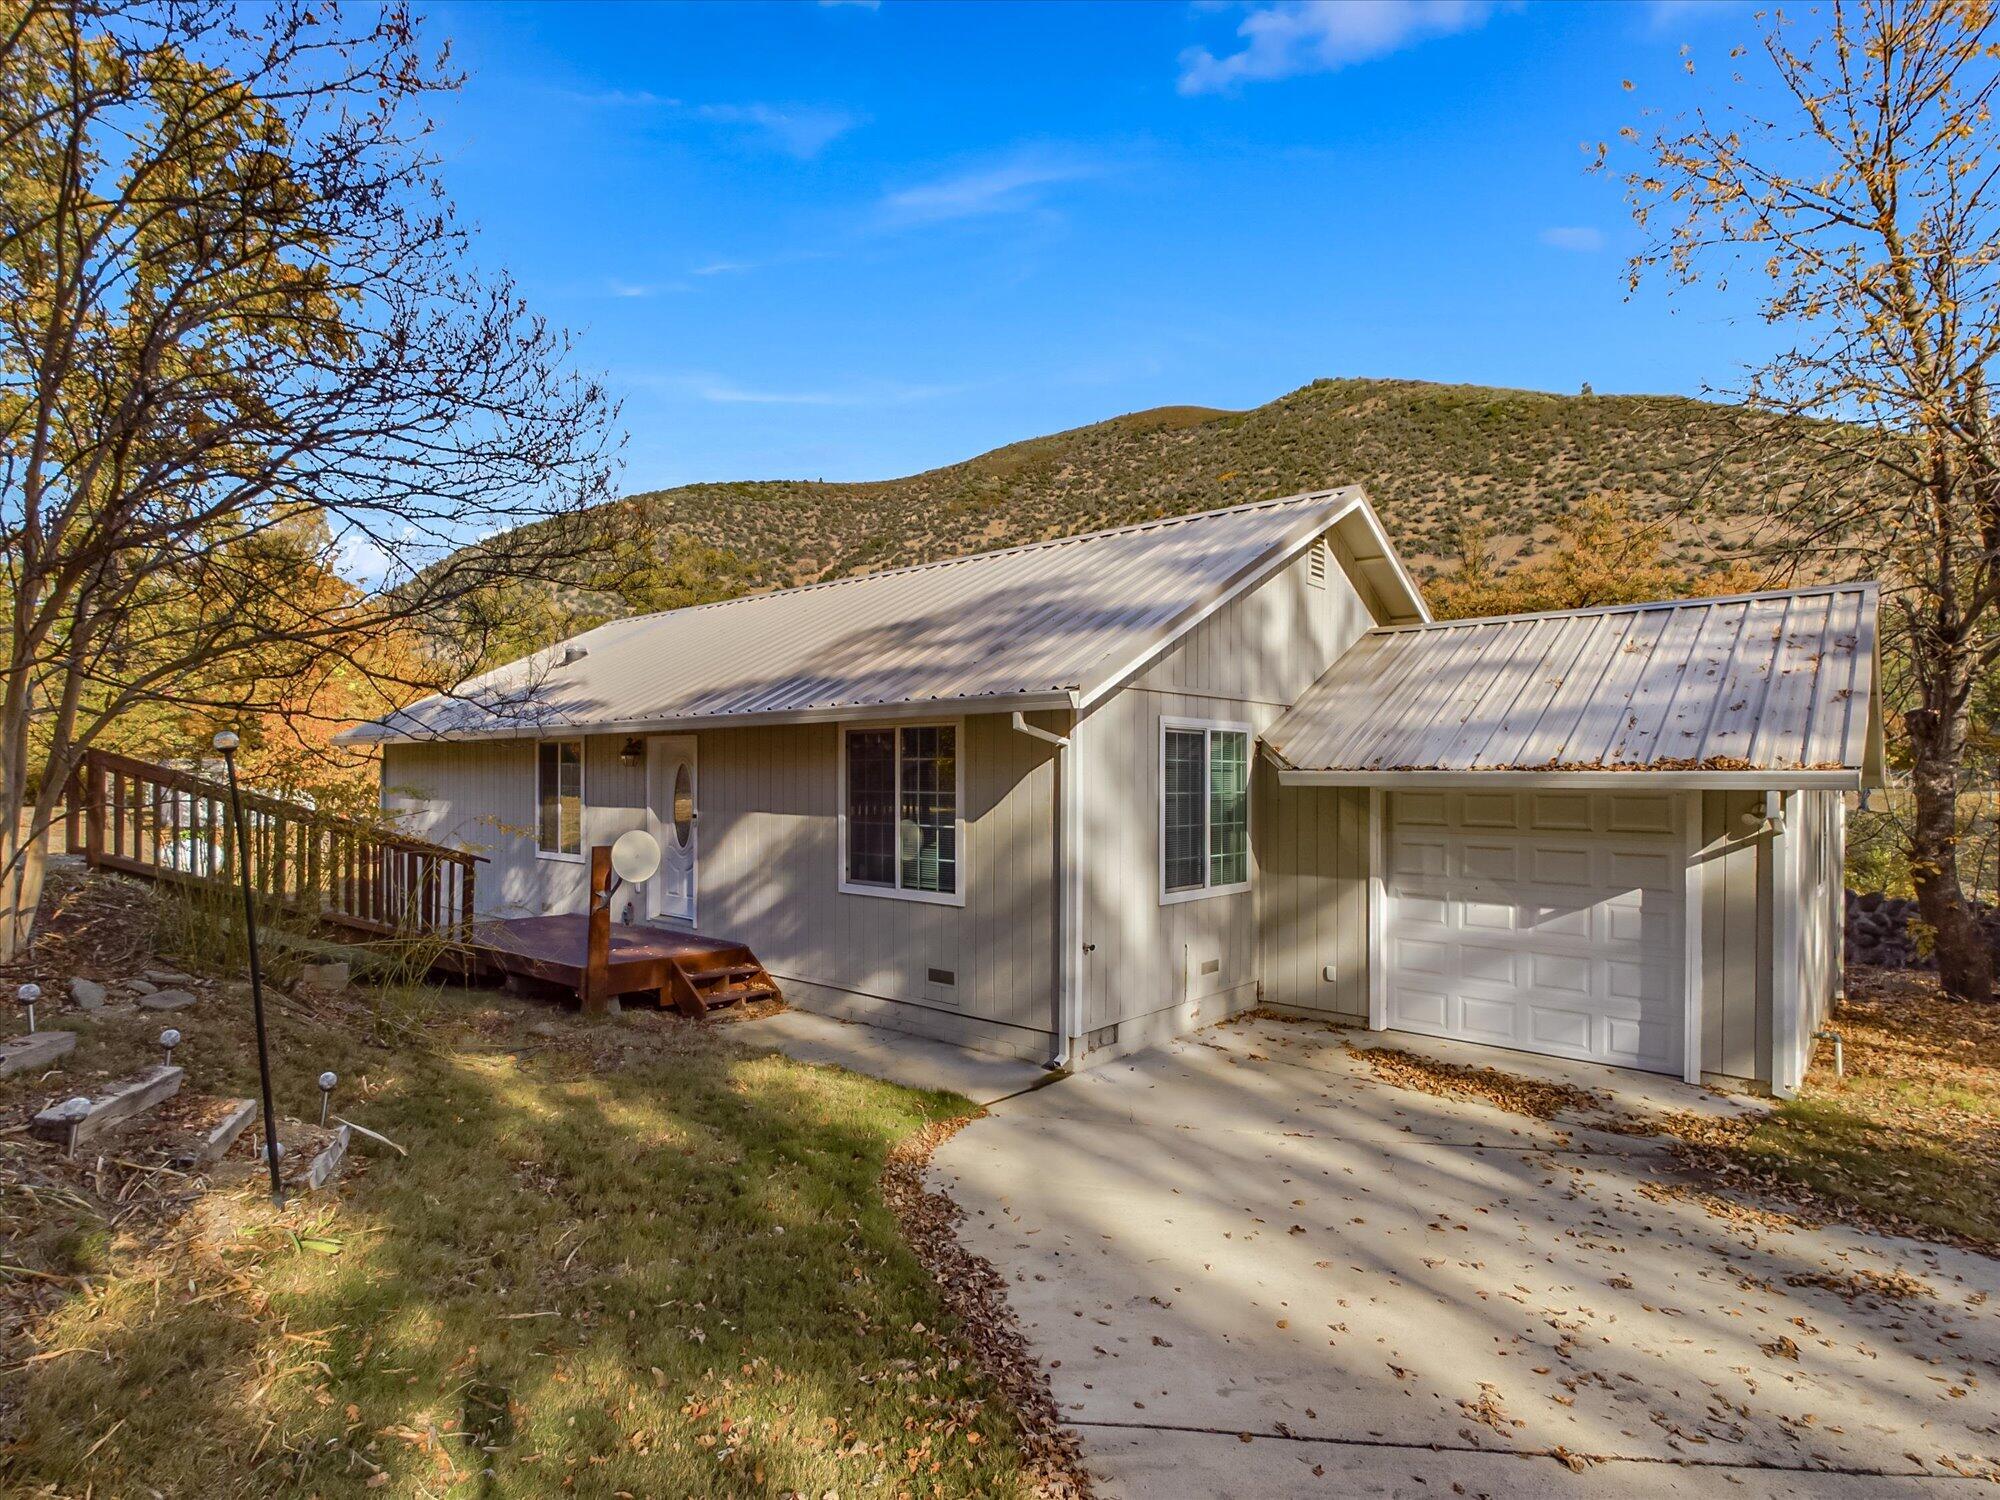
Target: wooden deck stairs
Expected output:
[700,982]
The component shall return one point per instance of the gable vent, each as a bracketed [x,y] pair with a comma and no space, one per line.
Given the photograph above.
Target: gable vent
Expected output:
[1316,565]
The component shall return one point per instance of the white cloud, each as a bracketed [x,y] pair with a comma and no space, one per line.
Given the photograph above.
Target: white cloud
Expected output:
[1015,185]
[798,130]
[1578,237]
[1321,36]
[801,130]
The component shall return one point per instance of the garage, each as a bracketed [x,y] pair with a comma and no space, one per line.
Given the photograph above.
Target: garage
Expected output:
[1610,835]
[1544,922]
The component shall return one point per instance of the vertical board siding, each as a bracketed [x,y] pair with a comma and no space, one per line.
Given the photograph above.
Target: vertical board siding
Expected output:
[770,867]
[1735,938]
[1246,664]
[1315,897]
[767,866]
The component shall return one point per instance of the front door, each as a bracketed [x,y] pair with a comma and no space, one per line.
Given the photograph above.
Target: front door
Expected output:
[672,772]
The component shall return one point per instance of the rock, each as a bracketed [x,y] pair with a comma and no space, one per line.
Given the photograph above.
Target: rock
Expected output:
[166,1000]
[87,994]
[329,979]
[545,1028]
[167,976]
[141,986]
[613,1008]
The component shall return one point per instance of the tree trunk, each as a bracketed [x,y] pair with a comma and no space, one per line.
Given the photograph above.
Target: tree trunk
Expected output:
[1965,964]
[22,863]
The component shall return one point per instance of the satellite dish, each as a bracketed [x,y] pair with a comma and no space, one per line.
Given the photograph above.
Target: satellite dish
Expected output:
[635,856]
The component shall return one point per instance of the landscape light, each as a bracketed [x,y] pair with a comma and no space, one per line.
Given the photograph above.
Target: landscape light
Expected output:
[326,1082]
[28,994]
[170,1039]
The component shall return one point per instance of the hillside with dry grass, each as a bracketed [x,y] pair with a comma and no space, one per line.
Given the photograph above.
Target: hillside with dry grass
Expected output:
[1428,455]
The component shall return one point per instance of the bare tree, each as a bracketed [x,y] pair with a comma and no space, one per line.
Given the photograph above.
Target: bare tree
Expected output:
[257,413]
[1848,173]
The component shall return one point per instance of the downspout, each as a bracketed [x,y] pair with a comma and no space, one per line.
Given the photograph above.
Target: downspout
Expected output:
[1066,869]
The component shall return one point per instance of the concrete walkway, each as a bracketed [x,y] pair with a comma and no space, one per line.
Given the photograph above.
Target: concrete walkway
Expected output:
[897,1056]
[1254,1269]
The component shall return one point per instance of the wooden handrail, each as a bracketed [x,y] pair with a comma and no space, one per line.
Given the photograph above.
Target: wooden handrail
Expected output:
[164,823]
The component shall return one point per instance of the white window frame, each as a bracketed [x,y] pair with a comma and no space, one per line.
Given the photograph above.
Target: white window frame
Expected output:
[897,892]
[1211,727]
[582,799]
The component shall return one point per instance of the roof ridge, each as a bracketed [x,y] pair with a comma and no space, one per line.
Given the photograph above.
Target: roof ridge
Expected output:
[1861,585]
[1151,523]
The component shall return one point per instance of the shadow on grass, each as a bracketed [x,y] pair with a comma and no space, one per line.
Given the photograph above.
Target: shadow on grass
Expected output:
[662,1274]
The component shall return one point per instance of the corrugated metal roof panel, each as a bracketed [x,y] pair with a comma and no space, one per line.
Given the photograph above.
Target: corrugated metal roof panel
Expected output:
[1781,681]
[998,629]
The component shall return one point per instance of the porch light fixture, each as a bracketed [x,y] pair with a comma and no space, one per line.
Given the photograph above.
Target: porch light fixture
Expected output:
[633,752]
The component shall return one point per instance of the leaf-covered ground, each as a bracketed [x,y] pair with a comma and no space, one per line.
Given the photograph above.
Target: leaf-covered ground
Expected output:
[628,1258]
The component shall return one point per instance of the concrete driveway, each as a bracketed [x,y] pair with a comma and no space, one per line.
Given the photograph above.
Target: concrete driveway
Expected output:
[1253,1269]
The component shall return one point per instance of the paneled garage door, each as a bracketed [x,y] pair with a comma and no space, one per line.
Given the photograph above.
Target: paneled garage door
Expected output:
[1547,922]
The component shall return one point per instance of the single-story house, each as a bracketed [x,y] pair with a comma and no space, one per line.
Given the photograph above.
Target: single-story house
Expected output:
[1072,798]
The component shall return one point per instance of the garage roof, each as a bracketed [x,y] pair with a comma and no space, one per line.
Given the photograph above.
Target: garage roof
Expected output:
[1767,689]
[1052,624]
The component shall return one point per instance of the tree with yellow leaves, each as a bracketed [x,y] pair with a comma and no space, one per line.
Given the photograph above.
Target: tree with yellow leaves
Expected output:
[259,418]
[1847,170]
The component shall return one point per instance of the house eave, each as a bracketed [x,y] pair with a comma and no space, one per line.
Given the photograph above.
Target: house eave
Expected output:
[1637,779]
[374,733]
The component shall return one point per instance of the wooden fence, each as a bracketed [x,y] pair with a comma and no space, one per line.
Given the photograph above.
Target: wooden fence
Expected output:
[165,824]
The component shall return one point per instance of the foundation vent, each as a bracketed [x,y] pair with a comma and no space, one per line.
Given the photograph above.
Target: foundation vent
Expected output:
[1211,966]
[944,976]
[1104,1036]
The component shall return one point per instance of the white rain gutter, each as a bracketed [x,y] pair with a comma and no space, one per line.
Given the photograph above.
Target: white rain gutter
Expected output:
[1068,892]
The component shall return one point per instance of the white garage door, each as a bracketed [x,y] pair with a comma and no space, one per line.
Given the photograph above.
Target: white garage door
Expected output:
[1547,922]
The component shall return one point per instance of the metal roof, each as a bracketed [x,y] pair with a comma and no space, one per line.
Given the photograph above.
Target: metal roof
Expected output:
[1050,624]
[1775,688]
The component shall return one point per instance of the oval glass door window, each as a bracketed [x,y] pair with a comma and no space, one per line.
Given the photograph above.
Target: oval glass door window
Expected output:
[683,805]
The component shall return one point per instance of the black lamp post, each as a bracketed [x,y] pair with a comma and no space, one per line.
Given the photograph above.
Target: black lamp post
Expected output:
[226,742]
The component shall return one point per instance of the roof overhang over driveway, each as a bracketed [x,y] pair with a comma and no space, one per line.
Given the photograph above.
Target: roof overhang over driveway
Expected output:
[1765,691]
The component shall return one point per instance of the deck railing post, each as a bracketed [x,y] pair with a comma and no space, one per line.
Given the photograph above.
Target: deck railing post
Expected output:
[93,813]
[596,990]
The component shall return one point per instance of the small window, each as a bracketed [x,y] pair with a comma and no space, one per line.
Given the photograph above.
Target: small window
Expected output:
[1204,809]
[559,798]
[900,811]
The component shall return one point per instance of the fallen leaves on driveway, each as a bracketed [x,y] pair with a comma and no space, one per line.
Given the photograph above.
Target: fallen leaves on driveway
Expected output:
[977,1295]
[1521,1096]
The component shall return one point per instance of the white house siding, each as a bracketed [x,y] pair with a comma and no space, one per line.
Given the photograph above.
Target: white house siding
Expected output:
[768,868]
[1154,970]
[769,874]
[1314,903]
[1735,937]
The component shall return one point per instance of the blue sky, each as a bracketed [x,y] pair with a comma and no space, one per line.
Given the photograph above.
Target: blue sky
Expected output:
[849,241]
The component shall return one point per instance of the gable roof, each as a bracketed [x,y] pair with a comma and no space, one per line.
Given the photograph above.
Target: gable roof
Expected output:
[1051,624]
[1766,689]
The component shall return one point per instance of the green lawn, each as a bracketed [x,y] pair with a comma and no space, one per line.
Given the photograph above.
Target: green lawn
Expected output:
[635,1260]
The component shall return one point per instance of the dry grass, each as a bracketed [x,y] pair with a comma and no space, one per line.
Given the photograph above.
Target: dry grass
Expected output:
[629,1259]
[1908,1141]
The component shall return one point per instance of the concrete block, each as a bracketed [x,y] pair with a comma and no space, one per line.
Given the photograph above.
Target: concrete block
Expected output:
[330,978]
[166,1000]
[35,1050]
[108,1110]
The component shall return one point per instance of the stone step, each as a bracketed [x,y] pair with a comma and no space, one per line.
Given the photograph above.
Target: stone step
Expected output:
[71,1128]
[35,1050]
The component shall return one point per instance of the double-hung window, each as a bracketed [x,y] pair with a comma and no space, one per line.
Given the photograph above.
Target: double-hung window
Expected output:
[901,792]
[1204,809]
[559,799]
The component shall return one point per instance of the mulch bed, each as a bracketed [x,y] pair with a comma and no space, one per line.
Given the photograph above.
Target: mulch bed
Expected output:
[977,1295]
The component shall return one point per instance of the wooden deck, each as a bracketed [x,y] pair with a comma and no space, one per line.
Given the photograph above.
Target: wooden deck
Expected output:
[689,971]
